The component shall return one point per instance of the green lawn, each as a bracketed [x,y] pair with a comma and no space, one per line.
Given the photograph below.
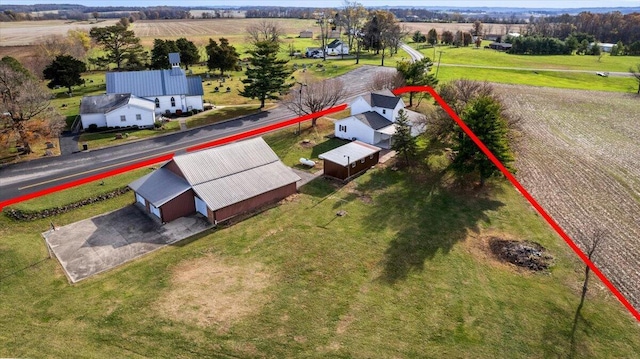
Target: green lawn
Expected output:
[405,273]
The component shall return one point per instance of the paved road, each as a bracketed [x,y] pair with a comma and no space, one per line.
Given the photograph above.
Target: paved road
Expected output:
[28,177]
[416,55]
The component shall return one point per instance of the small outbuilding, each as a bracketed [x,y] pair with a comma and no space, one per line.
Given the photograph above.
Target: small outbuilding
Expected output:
[219,183]
[500,46]
[306,34]
[350,160]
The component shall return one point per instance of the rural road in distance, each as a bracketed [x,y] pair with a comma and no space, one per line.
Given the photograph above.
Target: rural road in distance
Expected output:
[32,176]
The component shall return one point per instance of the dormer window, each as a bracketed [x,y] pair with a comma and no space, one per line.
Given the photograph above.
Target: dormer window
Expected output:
[173,102]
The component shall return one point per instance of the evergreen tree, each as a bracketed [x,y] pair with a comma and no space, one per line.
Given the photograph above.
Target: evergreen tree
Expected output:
[432,37]
[120,44]
[266,75]
[160,53]
[189,54]
[222,56]
[416,74]
[65,71]
[483,117]
[402,142]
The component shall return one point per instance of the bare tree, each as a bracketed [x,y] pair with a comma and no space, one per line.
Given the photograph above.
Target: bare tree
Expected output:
[27,105]
[387,80]
[635,71]
[352,17]
[265,30]
[313,96]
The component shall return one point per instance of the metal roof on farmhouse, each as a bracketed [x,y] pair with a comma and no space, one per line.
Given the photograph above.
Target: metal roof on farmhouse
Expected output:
[174,58]
[373,120]
[160,186]
[355,151]
[152,83]
[109,102]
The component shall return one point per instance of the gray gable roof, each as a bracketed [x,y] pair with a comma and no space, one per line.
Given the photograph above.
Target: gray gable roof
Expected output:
[103,103]
[373,120]
[152,83]
[384,99]
[194,86]
[333,44]
[160,186]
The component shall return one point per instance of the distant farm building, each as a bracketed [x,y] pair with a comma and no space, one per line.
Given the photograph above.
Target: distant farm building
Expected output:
[500,46]
[337,47]
[218,183]
[306,34]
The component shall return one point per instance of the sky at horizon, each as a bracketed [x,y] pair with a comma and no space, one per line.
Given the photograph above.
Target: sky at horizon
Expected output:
[552,4]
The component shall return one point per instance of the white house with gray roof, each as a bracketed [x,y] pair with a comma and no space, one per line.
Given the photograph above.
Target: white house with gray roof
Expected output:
[373,119]
[116,110]
[170,90]
[219,183]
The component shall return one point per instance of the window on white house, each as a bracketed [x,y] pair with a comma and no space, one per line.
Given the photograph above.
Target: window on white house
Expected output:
[123,118]
[138,117]
[173,102]
[157,102]
[384,111]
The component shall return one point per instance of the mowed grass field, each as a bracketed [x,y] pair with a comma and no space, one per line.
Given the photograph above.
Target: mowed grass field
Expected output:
[406,273]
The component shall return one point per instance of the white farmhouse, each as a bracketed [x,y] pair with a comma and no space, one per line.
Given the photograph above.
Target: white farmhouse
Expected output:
[337,47]
[372,119]
[172,90]
[116,110]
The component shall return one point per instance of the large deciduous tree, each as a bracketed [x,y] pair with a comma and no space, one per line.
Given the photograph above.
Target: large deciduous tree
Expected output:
[265,30]
[222,56]
[416,74]
[432,37]
[382,32]
[65,71]
[121,45]
[266,74]
[352,17]
[402,141]
[313,96]
[484,117]
[25,105]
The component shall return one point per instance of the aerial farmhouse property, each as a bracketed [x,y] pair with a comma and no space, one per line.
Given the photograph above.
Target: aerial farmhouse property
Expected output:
[373,119]
[219,183]
[123,110]
[337,47]
[172,91]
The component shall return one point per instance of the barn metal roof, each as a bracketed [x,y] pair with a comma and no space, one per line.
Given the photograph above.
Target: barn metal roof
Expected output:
[160,186]
[153,83]
[225,191]
[356,151]
[373,120]
[174,58]
[207,165]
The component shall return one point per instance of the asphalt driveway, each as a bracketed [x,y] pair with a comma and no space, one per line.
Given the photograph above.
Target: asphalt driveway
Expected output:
[97,244]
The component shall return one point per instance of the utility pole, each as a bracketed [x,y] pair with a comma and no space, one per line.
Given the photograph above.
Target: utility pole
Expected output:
[300,103]
[439,58]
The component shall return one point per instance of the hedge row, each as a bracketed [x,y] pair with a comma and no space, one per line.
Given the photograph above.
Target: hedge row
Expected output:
[21,215]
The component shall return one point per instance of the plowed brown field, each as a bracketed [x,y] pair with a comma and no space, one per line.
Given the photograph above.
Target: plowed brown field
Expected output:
[579,156]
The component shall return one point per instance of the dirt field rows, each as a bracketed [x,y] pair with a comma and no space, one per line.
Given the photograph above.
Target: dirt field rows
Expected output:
[579,156]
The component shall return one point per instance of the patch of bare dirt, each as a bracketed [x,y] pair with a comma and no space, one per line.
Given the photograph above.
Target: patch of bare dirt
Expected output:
[525,254]
[208,291]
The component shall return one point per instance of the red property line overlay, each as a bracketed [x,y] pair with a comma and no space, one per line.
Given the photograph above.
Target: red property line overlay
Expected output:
[523,191]
[339,108]
[167,157]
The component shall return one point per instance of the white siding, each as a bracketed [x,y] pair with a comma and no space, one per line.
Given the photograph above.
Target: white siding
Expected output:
[201,207]
[114,118]
[90,118]
[194,103]
[165,103]
[359,106]
[155,210]
[354,129]
[141,200]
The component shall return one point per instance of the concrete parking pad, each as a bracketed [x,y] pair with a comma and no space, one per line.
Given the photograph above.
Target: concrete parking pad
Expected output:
[103,242]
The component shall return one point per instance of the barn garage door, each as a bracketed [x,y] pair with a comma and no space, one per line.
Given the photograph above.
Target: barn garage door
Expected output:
[155,210]
[141,200]
[201,207]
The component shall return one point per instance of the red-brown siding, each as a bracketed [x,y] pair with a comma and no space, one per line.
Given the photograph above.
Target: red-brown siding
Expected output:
[181,206]
[332,169]
[173,167]
[254,202]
